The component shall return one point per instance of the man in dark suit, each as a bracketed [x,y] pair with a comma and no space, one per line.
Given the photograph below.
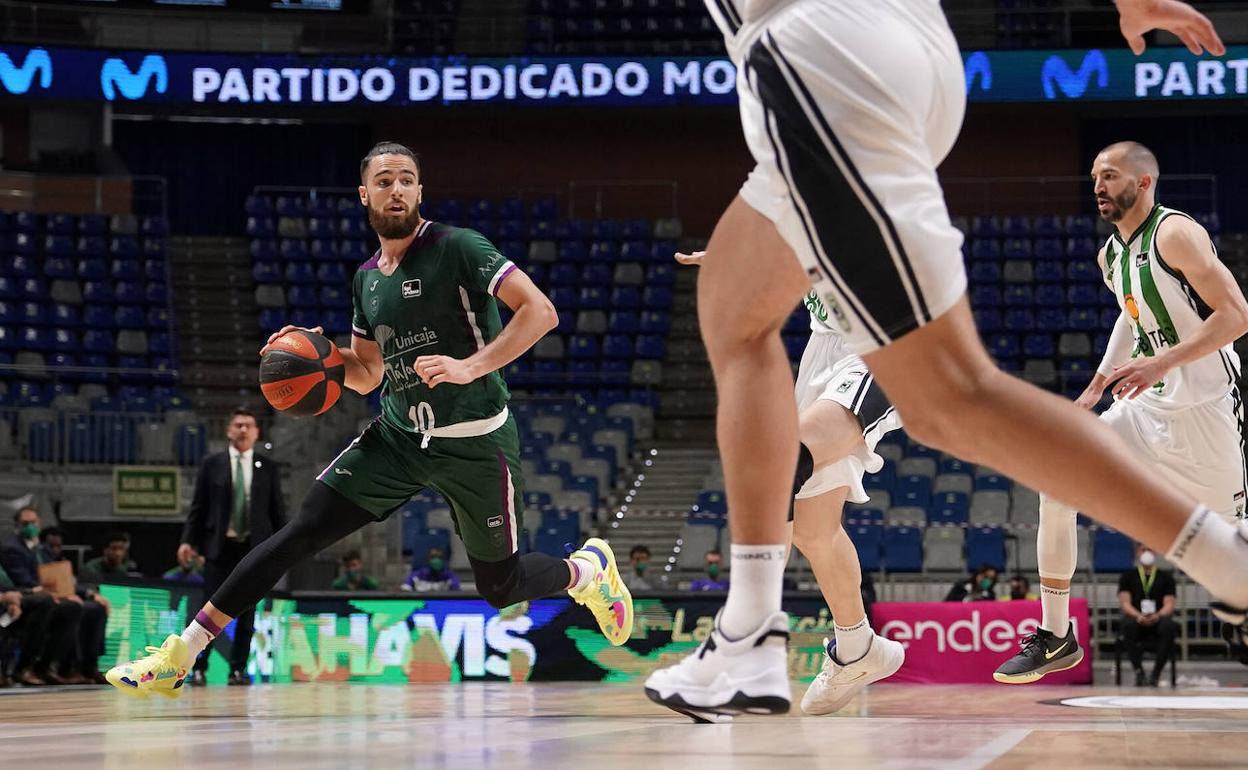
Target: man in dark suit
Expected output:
[238,503]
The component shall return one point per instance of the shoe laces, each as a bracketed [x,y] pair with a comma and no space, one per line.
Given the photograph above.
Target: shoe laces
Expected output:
[1030,642]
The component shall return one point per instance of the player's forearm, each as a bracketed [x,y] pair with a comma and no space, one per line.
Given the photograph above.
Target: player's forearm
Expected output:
[532,321]
[1220,329]
[356,374]
[1118,351]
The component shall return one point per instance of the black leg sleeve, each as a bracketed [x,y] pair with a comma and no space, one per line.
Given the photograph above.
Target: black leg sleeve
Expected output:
[1167,632]
[324,518]
[520,578]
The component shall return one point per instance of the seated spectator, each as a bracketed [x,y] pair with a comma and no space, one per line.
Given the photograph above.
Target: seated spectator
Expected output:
[115,563]
[1146,595]
[711,582]
[10,615]
[353,577]
[635,579]
[95,608]
[50,626]
[435,575]
[1020,590]
[51,545]
[979,587]
[190,568]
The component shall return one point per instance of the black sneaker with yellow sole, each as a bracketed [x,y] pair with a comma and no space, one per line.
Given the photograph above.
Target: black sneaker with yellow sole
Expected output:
[1042,653]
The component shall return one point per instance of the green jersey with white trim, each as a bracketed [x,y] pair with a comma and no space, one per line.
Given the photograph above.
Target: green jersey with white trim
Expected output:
[1163,309]
[440,300]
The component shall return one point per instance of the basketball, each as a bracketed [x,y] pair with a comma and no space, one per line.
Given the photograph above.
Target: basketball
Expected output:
[302,373]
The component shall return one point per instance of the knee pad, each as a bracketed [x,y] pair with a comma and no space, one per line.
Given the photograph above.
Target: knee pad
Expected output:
[1057,544]
[496,579]
[805,468]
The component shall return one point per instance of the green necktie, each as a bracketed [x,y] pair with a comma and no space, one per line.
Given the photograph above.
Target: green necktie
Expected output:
[238,521]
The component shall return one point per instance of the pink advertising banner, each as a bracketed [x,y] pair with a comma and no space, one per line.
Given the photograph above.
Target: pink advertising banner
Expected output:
[964,642]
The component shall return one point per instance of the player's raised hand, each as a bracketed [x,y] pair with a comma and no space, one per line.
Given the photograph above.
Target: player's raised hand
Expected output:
[288,328]
[436,370]
[1190,25]
[694,259]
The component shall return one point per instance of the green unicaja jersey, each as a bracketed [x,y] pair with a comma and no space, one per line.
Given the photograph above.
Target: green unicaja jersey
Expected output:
[440,300]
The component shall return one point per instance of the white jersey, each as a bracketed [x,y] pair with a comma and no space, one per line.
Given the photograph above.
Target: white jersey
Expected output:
[1163,310]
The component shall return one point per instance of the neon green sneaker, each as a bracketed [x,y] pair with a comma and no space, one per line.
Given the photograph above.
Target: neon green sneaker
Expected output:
[162,671]
[605,595]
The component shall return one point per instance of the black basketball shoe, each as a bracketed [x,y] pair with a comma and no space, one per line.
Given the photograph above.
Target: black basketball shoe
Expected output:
[1042,653]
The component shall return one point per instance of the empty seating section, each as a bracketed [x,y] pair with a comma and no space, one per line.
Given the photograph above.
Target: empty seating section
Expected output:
[610,280]
[683,27]
[86,339]
[596,27]
[933,513]
[571,457]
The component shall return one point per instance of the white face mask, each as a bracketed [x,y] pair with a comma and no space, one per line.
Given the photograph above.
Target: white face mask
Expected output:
[1147,559]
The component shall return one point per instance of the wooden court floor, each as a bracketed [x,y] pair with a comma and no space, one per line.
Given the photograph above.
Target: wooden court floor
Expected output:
[605,727]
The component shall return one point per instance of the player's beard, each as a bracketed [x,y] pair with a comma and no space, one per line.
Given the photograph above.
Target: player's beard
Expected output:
[390,227]
[1121,204]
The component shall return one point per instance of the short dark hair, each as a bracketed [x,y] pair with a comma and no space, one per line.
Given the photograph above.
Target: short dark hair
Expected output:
[388,148]
[17,515]
[714,552]
[242,411]
[48,532]
[1022,579]
[638,549]
[116,536]
[351,556]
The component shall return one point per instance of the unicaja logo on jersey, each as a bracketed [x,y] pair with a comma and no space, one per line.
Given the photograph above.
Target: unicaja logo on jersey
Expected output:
[1133,309]
[116,77]
[1056,75]
[18,80]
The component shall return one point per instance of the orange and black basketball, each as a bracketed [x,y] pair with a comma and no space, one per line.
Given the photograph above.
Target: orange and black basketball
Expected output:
[302,373]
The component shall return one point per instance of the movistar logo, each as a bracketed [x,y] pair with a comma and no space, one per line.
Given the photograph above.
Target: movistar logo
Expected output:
[1074,84]
[978,65]
[17,80]
[116,76]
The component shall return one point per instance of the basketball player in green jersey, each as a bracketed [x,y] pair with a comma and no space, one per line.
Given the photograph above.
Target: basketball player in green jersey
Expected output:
[1173,368]
[426,324]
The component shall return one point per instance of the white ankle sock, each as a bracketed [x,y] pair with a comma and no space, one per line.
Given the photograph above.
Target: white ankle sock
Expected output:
[197,638]
[852,642]
[583,571]
[757,580]
[1055,603]
[1214,553]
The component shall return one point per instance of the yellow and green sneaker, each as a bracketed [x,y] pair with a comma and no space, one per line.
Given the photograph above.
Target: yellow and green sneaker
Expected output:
[162,671]
[605,594]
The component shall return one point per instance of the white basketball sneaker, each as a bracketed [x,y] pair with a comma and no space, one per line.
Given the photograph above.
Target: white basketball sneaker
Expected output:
[838,683]
[725,677]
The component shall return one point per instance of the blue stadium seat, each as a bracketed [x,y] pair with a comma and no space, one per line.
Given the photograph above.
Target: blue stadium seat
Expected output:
[988,321]
[332,273]
[1112,551]
[1049,295]
[261,227]
[1084,294]
[1016,248]
[335,297]
[32,314]
[912,491]
[92,247]
[623,322]
[124,246]
[300,273]
[1084,271]
[1049,272]
[422,541]
[323,251]
[1081,225]
[617,346]
[25,244]
[1019,320]
[130,317]
[1047,226]
[596,273]
[949,508]
[573,251]
[263,250]
[655,322]
[986,248]
[626,298]
[868,540]
[583,346]
[1048,248]
[985,297]
[902,549]
[293,249]
[1039,346]
[985,545]
[96,340]
[1018,295]
[986,272]
[128,292]
[154,247]
[564,274]
[657,297]
[1004,346]
[651,346]
[660,275]
[302,297]
[190,443]
[711,501]
[985,227]
[1083,320]
[35,339]
[1051,320]
[323,227]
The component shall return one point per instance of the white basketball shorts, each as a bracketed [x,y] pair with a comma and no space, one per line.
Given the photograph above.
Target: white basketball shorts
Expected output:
[847,108]
[1200,449]
[828,373]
